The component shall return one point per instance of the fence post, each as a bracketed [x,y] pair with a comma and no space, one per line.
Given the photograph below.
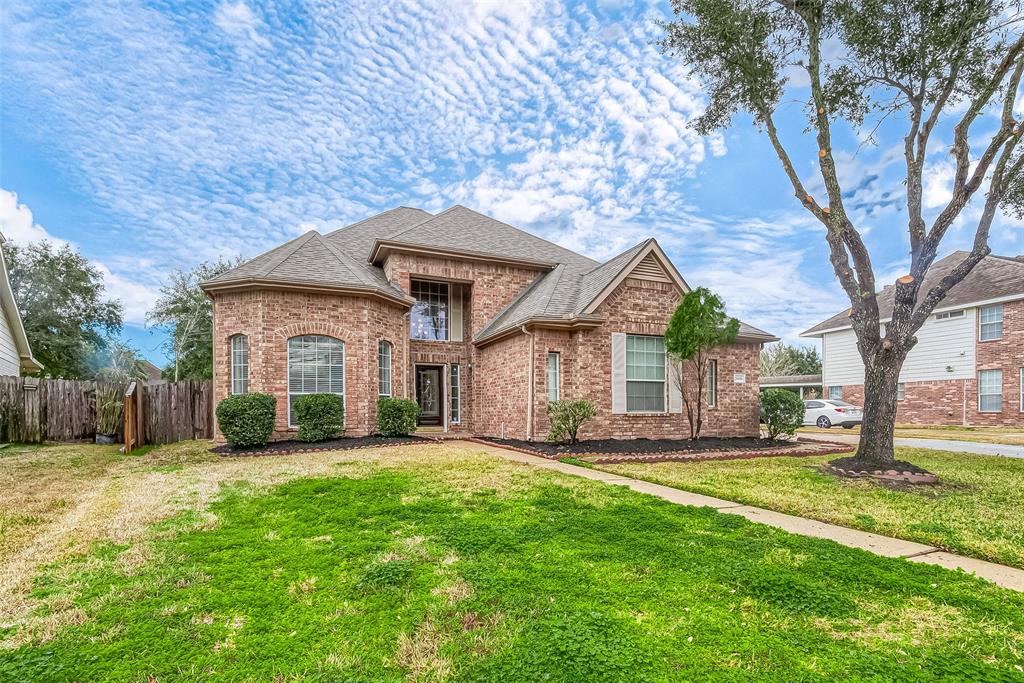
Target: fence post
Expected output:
[31,426]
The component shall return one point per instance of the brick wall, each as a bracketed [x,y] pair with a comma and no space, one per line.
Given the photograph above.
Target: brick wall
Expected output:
[500,377]
[640,307]
[270,317]
[955,402]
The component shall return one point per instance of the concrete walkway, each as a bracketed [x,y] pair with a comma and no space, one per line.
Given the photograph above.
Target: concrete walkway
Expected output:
[1007,577]
[934,444]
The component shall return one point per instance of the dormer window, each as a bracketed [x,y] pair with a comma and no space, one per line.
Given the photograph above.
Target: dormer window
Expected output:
[429,317]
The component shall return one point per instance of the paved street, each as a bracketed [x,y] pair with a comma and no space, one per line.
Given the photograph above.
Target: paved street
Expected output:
[935,444]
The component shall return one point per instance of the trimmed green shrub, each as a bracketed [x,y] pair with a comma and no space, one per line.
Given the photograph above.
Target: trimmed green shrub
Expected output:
[319,416]
[567,417]
[782,412]
[396,416]
[247,419]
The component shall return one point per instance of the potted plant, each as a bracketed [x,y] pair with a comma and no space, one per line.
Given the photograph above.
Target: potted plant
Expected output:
[112,380]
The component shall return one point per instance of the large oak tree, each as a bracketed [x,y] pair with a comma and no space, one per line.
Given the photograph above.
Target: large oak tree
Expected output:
[921,64]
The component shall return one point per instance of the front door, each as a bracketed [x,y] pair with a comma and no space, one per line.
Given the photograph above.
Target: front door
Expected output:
[428,394]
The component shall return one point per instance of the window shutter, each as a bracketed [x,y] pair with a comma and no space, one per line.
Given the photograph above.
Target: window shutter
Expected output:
[618,373]
[455,333]
[675,395]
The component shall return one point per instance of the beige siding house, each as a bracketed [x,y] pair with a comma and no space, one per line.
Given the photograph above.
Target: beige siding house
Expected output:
[15,353]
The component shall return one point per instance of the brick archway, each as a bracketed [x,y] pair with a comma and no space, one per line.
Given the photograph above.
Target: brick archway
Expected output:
[325,329]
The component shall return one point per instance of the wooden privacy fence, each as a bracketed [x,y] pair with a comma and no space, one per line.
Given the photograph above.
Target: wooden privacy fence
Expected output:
[38,410]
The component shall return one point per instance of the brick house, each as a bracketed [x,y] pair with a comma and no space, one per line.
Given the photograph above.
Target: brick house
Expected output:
[968,364]
[479,322]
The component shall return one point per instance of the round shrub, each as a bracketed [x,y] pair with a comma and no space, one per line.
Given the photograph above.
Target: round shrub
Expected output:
[396,416]
[782,412]
[247,419]
[320,416]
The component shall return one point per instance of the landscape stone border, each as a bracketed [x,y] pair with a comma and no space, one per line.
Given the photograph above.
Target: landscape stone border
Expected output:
[313,449]
[887,475]
[799,449]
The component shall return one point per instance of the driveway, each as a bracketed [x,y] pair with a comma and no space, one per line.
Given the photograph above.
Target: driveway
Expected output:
[935,444]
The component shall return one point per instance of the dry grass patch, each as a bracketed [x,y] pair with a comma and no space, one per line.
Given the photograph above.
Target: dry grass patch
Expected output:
[420,653]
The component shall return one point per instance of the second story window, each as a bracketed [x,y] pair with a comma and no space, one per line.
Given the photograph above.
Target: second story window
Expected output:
[991,322]
[429,317]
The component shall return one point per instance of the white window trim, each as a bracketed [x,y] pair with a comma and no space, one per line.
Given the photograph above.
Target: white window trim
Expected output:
[558,375]
[664,382]
[1000,394]
[981,325]
[455,387]
[949,315]
[235,366]
[381,345]
[712,383]
[288,369]
[837,398]
[901,391]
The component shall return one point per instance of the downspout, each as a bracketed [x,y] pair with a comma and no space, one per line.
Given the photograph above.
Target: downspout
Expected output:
[407,316]
[529,388]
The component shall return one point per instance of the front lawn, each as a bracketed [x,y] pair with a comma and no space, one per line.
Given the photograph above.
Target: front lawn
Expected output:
[441,562]
[978,510]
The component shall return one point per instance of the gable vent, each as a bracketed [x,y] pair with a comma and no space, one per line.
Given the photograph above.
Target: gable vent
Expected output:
[650,269]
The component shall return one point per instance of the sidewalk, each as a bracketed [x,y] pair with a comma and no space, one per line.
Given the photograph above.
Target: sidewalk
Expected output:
[974,447]
[1001,575]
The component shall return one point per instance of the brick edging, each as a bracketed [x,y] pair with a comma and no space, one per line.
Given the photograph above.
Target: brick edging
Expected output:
[246,454]
[892,475]
[819,448]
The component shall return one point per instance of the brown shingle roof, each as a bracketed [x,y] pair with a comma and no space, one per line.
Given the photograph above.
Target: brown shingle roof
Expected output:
[567,282]
[995,277]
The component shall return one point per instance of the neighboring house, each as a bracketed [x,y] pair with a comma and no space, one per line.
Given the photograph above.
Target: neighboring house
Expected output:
[807,386]
[154,375]
[15,352]
[968,364]
[481,323]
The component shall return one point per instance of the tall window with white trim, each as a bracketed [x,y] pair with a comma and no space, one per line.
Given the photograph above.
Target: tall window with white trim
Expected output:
[316,365]
[645,374]
[990,391]
[712,380]
[429,316]
[384,368]
[991,327]
[456,402]
[239,364]
[554,375]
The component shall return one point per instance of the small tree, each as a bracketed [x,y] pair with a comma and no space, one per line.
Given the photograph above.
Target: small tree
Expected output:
[567,417]
[698,325]
[186,314]
[782,412]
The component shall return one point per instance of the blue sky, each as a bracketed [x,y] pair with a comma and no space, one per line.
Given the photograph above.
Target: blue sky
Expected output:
[154,135]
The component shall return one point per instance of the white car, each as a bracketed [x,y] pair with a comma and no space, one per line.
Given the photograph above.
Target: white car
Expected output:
[824,413]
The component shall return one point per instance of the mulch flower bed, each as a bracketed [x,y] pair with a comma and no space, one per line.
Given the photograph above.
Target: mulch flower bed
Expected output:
[342,444]
[609,451]
[899,471]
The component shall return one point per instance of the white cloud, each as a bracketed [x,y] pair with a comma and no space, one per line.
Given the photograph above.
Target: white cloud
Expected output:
[239,21]
[16,222]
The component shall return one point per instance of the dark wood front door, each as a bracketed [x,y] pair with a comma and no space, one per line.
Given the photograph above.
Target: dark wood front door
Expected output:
[429,394]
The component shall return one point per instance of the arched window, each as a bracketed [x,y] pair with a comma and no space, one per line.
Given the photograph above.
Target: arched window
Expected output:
[316,365]
[384,368]
[239,364]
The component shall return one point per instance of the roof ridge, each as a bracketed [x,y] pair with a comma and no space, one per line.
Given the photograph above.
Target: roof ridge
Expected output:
[345,260]
[284,251]
[621,253]
[378,215]
[507,225]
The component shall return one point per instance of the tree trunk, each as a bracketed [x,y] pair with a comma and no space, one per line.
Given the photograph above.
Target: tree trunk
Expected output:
[876,433]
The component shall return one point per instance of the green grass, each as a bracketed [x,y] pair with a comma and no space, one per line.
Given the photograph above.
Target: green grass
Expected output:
[978,510]
[446,564]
